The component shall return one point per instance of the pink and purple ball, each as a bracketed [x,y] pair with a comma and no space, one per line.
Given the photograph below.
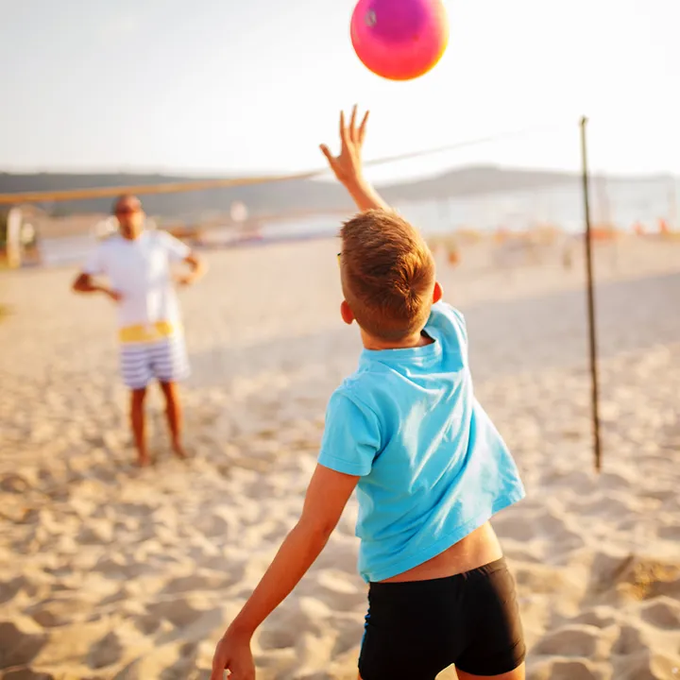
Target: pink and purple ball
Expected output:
[399,39]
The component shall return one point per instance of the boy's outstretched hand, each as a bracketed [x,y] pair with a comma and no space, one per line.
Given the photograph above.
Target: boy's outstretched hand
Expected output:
[348,167]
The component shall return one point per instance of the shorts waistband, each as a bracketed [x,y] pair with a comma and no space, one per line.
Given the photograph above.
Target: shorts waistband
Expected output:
[479,572]
[152,332]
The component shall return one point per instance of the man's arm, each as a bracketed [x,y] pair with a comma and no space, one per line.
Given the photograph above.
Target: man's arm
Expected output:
[326,498]
[197,269]
[178,251]
[84,283]
[347,167]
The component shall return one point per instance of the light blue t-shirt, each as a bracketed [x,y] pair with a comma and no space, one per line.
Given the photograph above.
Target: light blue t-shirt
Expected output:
[433,467]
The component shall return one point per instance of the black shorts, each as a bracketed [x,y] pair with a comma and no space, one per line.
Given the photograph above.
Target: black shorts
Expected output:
[417,629]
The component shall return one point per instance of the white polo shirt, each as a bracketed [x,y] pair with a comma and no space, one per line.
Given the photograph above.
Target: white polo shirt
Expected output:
[139,269]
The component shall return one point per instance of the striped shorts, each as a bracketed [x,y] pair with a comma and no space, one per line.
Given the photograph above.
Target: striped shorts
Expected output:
[163,360]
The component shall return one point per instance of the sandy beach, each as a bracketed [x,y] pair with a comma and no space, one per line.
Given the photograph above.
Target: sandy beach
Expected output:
[107,571]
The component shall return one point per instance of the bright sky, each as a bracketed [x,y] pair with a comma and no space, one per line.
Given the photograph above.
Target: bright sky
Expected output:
[243,86]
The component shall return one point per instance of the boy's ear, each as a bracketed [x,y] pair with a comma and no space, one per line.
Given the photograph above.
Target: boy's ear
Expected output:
[438,292]
[346,313]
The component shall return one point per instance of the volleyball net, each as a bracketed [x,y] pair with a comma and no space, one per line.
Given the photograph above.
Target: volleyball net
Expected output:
[519,190]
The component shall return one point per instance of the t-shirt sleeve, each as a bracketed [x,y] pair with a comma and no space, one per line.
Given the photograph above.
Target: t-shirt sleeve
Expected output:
[177,251]
[351,438]
[95,265]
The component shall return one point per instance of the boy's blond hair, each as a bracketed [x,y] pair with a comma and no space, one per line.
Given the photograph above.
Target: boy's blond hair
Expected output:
[388,274]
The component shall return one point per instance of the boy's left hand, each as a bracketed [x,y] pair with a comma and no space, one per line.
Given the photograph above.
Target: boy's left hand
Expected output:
[347,167]
[233,654]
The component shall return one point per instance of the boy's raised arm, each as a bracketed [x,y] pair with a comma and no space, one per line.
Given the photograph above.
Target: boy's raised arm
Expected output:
[347,167]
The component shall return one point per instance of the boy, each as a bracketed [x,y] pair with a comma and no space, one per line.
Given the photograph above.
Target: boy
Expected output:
[137,263]
[429,467]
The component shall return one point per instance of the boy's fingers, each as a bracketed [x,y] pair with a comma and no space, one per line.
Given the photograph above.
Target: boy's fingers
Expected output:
[353,124]
[362,127]
[343,129]
[327,152]
[218,666]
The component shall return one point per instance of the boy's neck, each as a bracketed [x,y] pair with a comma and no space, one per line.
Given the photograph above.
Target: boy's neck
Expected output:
[418,339]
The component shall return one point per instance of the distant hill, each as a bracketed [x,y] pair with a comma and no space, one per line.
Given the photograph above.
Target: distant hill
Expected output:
[277,198]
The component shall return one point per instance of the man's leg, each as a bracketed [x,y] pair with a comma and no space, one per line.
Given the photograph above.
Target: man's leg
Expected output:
[137,420]
[136,372]
[170,365]
[173,411]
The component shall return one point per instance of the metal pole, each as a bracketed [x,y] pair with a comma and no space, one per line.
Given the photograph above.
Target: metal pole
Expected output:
[592,335]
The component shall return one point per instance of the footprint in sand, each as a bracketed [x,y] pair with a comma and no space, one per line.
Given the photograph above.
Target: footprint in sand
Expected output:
[340,553]
[300,614]
[178,612]
[180,670]
[52,613]
[605,570]
[600,617]
[26,674]
[276,637]
[670,533]
[515,528]
[118,568]
[663,613]
[212,526]
[604,507]
[629,642]
[99,534]
[647,665]
[147,624]
[218,563]
[13,483]
[349,629]
[338,591]
[576,640]
[551,526]
[562,669]
[105,652]
[9,589]
[18,648]
[614,480]
[137,510]
[538,578]
[196,582]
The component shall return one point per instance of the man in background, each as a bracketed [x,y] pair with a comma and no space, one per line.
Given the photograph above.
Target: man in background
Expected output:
[136,263]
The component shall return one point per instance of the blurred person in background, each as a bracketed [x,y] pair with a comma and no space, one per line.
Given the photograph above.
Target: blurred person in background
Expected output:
[136,264]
